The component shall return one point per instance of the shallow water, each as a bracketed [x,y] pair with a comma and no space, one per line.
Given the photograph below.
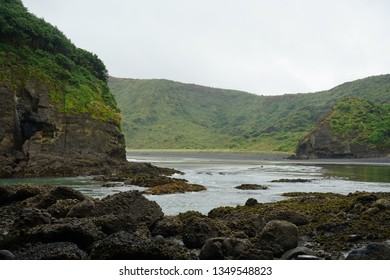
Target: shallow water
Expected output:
[221,173]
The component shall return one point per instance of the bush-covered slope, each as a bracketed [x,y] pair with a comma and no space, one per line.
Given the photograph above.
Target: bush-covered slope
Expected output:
[161,114]
[31,48]
[354,127]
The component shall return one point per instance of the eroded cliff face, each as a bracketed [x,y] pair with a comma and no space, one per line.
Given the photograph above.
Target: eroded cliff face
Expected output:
[323,143]
[36,139]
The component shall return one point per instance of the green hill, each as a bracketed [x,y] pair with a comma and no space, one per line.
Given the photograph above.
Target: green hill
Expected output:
[162,114]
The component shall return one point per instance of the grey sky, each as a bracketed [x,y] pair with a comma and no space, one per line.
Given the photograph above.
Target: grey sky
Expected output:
[263,47]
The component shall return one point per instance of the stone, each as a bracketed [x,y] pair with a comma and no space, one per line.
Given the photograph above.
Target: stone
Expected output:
[281,232]
[222,248]
[251,202]
[52,251]
[127,246]
[6,255]
[296,218]
[296,253]
[372,251]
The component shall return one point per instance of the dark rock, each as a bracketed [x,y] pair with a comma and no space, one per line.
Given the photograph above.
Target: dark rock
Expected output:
[299,180]
[82,209]
[251,187]
[81,232]
[52,251]
[222,248]
[6,255]
[281,232]
[256,254]
[31,217]
[197,229]
[168,226]
[131,203]
[126,246]
[296,218]
[373,251]
[251,202]
[295,253]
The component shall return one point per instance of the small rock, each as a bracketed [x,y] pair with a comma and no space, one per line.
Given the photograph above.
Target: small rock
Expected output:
[222,248]
[295,253]
[251,202]
[307,257]
[251,187]
[382,204]
[6,255]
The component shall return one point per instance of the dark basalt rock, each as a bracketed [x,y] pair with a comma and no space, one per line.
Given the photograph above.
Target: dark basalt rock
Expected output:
[373,251]
[52,251]
[222,248]
[251,187]
[127,246]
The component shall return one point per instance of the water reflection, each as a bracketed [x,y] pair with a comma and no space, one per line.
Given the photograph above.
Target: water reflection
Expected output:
[361,173]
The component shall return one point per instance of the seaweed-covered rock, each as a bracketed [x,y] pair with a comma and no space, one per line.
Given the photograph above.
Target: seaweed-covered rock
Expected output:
[131,203]
[197,229]
[168,226]
[127,246]
[294,217]
[281,232]
[222,248]
[52,251]
[251,187]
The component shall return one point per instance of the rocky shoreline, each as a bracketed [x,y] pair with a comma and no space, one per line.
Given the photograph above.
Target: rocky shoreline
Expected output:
[47,222]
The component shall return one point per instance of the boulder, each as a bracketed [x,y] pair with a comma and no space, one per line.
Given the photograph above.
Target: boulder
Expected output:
[197,228]
[168,226]
[52,251]
[127,246]
[222,248]
[131,203]
[372,251]
[296,218]
[282,233]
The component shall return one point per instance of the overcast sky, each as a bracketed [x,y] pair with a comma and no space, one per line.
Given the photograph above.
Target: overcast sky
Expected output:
[263,47]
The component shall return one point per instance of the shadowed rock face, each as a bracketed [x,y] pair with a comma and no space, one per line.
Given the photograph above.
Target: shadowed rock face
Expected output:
[35,137]
[322,143]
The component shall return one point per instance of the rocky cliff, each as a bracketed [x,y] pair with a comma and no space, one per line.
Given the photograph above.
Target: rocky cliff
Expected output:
[354,128]
[36,139]
[57,115]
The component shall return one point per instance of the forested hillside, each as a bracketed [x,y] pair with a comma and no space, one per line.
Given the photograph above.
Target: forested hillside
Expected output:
[162,114]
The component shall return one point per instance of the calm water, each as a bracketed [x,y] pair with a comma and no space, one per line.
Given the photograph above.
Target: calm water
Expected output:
[220,173]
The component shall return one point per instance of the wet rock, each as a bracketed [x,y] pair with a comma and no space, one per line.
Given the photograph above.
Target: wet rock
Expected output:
[30,217]
[168,226]
[127,246]
[222,248]
[81,232]
[296,252]
[14,193]
[282,233]
[256,254]
[251,187]
[298,180]
[131,203]
[251,202]
[61,208]
[52,251]
[6,255]
[373,251]
[81,209]
[197,229]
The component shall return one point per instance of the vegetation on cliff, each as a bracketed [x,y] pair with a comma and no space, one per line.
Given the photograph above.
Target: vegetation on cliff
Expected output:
[162,114]
[362,122]
[34,50]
